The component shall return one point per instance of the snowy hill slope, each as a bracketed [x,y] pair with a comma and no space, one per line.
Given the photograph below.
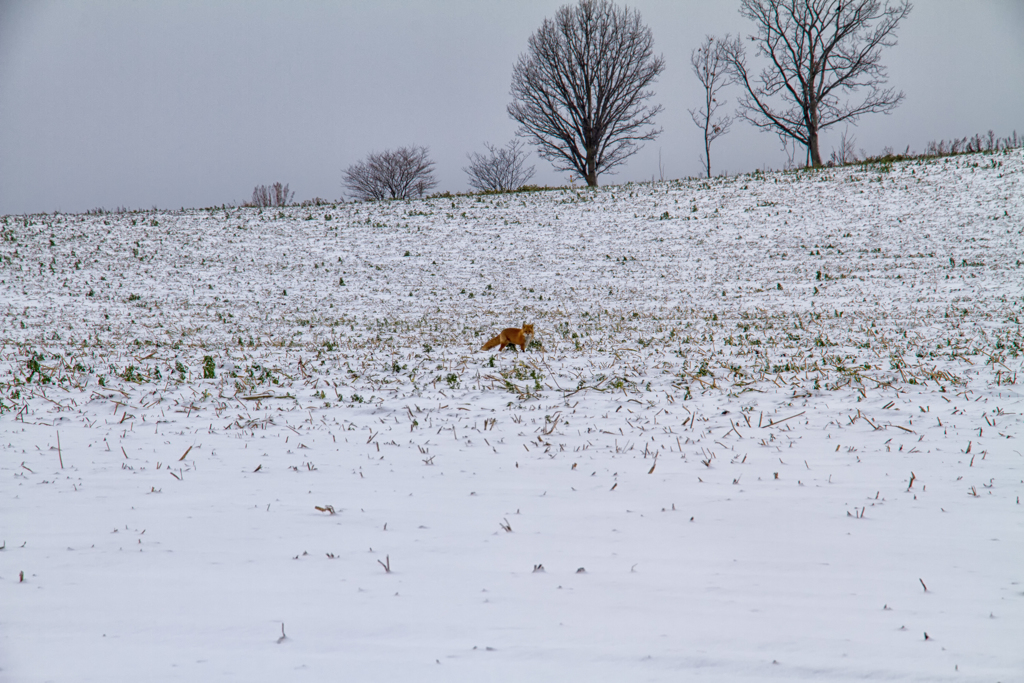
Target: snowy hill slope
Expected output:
[776,420]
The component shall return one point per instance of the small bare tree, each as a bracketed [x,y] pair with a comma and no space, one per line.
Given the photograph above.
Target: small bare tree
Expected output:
[580,90]
[403,173]
[273,195]
[846,153]
[712,70]
[501,169]
[817,49]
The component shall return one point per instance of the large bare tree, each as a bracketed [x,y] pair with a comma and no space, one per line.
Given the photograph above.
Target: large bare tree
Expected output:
[502,169]
[580,90]
[819,52]
[712,70]
[402,173]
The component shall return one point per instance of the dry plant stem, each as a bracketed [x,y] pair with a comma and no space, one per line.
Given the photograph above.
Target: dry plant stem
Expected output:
[772,423]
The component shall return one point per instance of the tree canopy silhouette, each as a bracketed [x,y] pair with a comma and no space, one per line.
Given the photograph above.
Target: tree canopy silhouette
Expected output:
[580,91]
[392,174]
[817,50]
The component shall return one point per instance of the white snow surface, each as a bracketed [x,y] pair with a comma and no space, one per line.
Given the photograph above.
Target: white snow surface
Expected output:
[773,432]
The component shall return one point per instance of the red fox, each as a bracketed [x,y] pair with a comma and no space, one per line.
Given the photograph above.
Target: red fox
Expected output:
[510,337]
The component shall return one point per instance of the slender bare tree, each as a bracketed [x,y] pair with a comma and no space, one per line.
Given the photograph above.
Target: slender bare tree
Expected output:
[712,70]
[501,169]
[580,90]
[846,154]
[817,50]
[272,195]
[392,174]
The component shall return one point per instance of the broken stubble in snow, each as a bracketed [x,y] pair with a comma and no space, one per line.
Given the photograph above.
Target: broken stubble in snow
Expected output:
[666,333]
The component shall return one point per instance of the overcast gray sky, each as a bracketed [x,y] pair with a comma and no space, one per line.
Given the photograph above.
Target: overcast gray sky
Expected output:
[176,103]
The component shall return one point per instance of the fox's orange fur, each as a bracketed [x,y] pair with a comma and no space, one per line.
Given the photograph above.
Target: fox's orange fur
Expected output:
[511,336]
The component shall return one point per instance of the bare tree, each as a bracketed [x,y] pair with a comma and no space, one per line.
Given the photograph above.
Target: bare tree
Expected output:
[580,90]
[392,174]
[817,49]
[712,70]
[501,169]
[273,195]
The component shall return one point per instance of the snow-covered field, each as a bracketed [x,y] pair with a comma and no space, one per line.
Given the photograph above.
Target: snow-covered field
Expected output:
[773,432]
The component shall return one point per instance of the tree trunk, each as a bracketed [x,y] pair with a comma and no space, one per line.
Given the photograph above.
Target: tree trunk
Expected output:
[591,168]
[812,148]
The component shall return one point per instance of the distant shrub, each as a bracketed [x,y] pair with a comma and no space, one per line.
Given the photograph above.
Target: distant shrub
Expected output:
[501,169]
[403,173]
[273,195]
[538,188]
[845,154]
[943,148]
[978,143]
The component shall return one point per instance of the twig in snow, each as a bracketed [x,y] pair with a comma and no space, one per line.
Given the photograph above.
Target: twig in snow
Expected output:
[772,423]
